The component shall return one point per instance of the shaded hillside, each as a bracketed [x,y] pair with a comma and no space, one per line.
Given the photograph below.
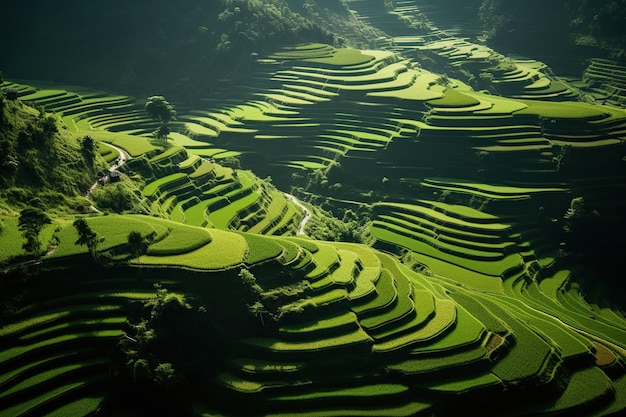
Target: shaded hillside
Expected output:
[176,48]
[41,162]
[559,33]
[489,203]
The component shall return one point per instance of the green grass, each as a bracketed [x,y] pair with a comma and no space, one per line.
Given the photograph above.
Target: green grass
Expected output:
[480,311]
[169,153]
[223,217]
[402,308]
[82,407]
[551,285]
[468,330]
[10,238]
[181,239]
[150,189]
[16,351]
[453,98]
[22,325]
[344,57]
[585,387]
[134,145]
[261,248]
[56,392]
[46,376]
[564,110]
[326,256]
[494,268]
[225,251]
[196,215]
[321,324]
[113,228]
[528,357]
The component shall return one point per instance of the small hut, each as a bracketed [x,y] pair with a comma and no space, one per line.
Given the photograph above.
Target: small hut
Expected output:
[115,176]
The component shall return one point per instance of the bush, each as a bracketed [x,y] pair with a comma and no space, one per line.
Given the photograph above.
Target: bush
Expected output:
[118,198]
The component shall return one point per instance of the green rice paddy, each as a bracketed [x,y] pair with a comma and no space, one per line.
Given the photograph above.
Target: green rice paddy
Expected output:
[443,305]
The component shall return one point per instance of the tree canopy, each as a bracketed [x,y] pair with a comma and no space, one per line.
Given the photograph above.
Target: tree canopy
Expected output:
[31,221]
[162,111]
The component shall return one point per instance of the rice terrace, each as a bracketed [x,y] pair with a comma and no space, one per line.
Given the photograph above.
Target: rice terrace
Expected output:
[314,208]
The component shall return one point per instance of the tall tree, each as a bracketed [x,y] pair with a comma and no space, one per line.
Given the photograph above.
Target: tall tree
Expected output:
[86,236]
[162,111]
[136,244]
[31,222]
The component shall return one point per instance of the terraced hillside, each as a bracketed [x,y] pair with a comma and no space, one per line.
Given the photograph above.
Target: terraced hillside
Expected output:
[342,330]
[471,288]
[185,184]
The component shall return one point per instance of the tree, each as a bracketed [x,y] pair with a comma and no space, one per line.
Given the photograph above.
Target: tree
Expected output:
[162,111]
[249,280]
[258,309]
[576,208]
[88,146]
[136,244]
[31,222]
[165,375]
[86,236]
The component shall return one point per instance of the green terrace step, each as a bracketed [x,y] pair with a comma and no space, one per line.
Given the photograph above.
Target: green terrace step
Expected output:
[58,396]
[439,324]
[386,296]
[309,348]
[531,358]
[339,323]
[401,311]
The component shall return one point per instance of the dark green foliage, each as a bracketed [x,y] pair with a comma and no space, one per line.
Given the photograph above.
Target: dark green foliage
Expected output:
[595,239]
[162,111]
[86,236]
[118,198]
[31,222]
[39,159]
[550,28]
[169,352]
[231,162]
[179,48]
[141,372]
[249,281]
[599,18]
[165,375]
[353,227]
[88,146]
[137,245]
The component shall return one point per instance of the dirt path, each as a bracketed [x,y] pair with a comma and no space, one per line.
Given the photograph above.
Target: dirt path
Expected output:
[307,213]
[121,160]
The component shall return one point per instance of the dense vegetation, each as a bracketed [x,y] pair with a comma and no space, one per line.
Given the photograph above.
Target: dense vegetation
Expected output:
[42,165]
[170,48]
[452,233]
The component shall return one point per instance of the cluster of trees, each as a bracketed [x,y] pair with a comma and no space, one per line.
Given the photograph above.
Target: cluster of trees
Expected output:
[163,112]
[38,160]
[599,18]
[136,47]
[169,351]
[534,23]
[596,241]
[119,198]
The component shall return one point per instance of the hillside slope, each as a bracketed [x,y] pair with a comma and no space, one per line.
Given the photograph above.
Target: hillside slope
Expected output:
[40,160]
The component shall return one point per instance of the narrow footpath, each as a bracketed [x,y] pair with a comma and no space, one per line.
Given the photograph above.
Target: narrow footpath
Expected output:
[307,213]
